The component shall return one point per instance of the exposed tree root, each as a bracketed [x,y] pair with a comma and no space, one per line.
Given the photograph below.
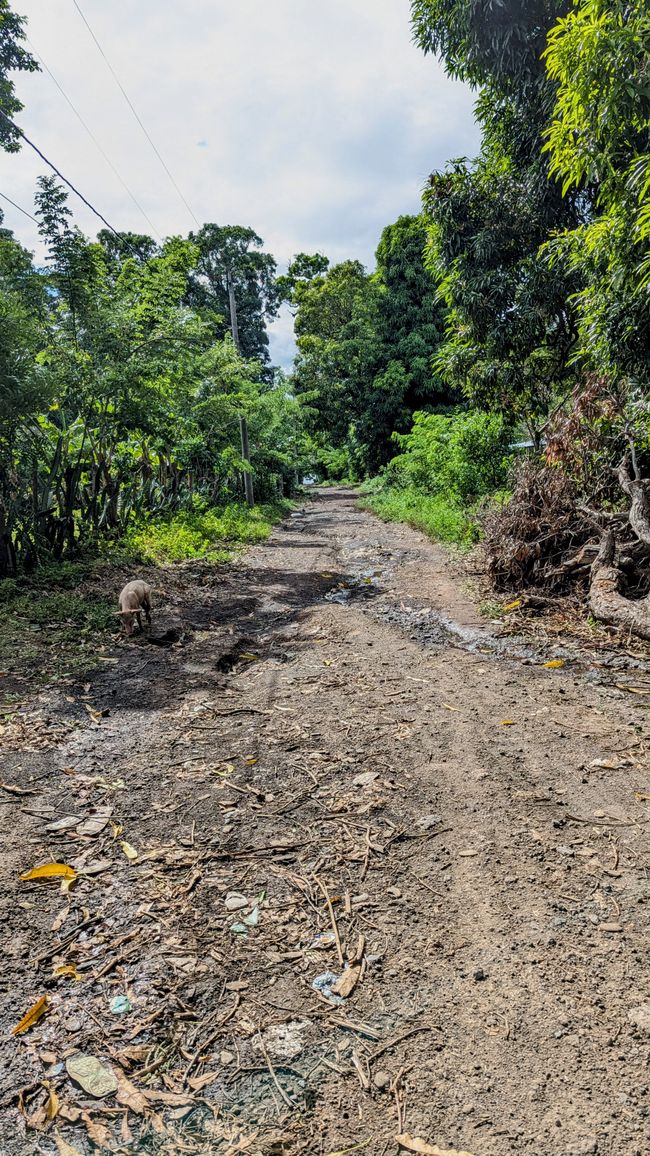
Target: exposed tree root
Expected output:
[605,598]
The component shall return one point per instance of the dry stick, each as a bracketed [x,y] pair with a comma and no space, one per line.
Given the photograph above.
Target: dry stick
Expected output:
[277,1083]
[363,1078]
[422,883]
[393,1043]
[68,939]
[337,937]
[213,1035]
[367,855]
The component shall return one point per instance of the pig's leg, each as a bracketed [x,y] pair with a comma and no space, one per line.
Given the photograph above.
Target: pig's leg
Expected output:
[139,618]
[147,610]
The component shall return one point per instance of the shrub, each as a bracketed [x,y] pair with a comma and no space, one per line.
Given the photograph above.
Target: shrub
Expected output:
[463,455]
[196,533]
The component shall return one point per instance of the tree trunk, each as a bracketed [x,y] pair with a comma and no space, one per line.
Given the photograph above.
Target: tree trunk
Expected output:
[607,602]
[636,490]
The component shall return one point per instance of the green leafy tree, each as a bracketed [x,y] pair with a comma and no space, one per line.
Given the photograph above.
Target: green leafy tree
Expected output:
[231,267]
[599,139]
[14,57]
[511,335]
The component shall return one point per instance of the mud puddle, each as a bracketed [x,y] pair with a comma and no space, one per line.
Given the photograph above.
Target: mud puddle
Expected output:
[433,628]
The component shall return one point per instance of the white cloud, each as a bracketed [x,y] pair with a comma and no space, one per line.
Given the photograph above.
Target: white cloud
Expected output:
[316,123]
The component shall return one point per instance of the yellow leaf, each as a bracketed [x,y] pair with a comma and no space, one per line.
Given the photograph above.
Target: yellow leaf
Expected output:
[129,851]
[116,828]
[633,689]
[31,1017]
[249,657]
[554,664]
[250,762]
[52,1106]
[507,722]
[513,605]
[64,970]
[50,871]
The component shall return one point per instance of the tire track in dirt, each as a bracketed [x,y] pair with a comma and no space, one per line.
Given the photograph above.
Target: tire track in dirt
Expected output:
[290,744]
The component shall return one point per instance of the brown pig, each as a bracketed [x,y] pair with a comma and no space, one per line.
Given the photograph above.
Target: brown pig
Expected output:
[134,599]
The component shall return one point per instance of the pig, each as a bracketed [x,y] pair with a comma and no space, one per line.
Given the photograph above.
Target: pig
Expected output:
[135,597]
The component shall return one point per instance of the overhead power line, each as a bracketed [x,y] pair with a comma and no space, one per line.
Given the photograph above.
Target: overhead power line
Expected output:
[96,142]
[59,174]
[136,115]
[24,211]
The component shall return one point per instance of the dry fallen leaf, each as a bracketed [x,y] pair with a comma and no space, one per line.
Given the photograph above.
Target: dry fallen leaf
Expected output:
[412,1144]
[94,1077]
[98,1133]
[507,722]
[633,689]
[31,1017]
[130,1096]
[50,871]
[65,1149]
[554,664]
[95,823]
[513,605]
[62,824]
[60,919]
[52,1106]
[201,1082]
[129,851]
[448,707]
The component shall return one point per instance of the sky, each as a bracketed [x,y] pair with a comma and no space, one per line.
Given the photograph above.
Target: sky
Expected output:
[315,123]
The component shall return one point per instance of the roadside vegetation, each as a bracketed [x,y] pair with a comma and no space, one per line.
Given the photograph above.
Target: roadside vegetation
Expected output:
[513,310]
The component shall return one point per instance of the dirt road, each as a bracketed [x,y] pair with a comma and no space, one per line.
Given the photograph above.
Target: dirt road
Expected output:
[337,767]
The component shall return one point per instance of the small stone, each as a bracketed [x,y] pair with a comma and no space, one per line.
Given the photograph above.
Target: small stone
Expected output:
[395,892]
[226,1058]
[235,902]
[479,974]
[381,1080]
[428,821]
[640,1016]
[615,927]
[564,850]
[467,1109]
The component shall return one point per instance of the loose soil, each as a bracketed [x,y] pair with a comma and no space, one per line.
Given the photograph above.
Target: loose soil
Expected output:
[332,765]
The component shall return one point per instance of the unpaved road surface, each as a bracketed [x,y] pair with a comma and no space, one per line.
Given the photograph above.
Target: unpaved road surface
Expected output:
[321,777]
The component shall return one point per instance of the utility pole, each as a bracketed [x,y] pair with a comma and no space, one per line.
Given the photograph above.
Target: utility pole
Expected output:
[243,424]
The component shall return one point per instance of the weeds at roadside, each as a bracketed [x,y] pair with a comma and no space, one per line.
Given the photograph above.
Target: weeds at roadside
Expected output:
[438,517]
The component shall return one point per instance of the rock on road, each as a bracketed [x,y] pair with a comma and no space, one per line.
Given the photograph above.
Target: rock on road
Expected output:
[323,767]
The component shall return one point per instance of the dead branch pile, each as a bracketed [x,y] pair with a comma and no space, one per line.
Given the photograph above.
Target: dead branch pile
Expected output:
[541,538]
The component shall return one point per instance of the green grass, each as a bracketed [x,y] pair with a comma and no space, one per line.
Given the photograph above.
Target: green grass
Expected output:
[438,517]
[202,533]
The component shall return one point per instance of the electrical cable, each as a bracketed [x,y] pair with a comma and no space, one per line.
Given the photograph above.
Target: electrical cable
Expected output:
[137,117]
[24,211]
[95,141]
[65,180]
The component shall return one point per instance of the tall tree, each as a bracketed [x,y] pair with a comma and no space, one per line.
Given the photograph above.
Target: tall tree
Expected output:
[232,268]
[13,58]
[512,330]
